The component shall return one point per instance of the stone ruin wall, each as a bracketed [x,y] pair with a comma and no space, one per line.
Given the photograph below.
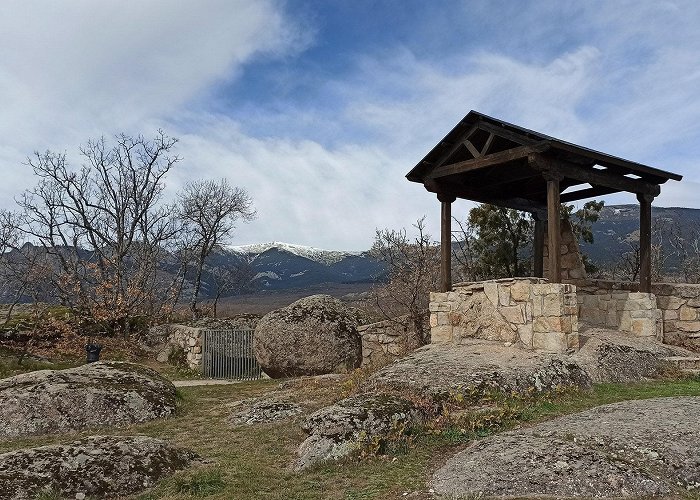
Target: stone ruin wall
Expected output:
[528,312]
[670,313]
[386,340]
[190,340]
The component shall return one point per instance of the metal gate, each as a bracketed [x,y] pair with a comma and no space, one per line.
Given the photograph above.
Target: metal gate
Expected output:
[228,354]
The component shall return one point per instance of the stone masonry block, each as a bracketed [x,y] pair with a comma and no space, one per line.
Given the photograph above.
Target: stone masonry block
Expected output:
[555,342]
[537,301]
[686,313]
[572,341]
[514,314]
[625,321]
[439,306]
[441,335]
[525,335]
[670,314]
[540,325]
[612,319]
[433,320]
[688,326]
[552,305]
[670,302]
[520,291]
[503,295]
[491,292]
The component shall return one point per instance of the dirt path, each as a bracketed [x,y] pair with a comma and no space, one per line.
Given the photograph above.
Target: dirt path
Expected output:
[194,383]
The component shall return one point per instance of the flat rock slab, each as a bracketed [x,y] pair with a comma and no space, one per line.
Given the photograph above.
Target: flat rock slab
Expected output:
[263,410]
[634,448]
[96,467]
[478,367]
[89,396]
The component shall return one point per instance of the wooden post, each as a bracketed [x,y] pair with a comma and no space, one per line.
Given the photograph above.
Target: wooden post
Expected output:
[446,242]
[538,246]
[553,227]
[645,242]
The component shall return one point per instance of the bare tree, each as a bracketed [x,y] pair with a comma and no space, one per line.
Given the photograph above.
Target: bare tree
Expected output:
[628,265]
[209,211]
[231,279]
[104,225]
[466,257]
[413,268]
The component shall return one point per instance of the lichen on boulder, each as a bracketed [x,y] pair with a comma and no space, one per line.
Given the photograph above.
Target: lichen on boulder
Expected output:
[89,396]
[263,410]
[94,467]
[312,336]
[337,430]
[645,448]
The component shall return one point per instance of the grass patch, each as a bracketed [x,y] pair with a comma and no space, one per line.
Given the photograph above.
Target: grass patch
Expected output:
[201,483]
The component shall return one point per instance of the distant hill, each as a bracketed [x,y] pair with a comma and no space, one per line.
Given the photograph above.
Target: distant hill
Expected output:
[283,266]
[620,223]
[282,271]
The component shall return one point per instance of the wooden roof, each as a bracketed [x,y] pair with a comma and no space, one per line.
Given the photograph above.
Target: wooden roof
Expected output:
[491,161]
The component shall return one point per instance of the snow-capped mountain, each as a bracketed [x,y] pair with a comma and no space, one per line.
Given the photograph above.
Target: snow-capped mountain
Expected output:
[281,266]
[325,257]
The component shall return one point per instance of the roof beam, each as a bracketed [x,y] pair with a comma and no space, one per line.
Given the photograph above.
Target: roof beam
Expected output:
[590,192]
[593,176]
[658,176]
[460,191]
[491,160]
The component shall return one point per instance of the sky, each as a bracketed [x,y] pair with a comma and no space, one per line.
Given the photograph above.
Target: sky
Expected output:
[319,108]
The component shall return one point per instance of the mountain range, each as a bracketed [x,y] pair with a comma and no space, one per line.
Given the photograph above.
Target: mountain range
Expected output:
[288,270]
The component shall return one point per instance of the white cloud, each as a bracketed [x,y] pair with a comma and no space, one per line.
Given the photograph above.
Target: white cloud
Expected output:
[76,69]
[628,88]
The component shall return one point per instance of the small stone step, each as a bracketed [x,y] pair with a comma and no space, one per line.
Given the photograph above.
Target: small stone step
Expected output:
[684,362]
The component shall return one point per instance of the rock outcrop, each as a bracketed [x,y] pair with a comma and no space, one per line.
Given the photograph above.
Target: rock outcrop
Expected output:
[312,336]
[644,448]
[478,369]
[337,430]
[94,395]
[263,410]
[94,467]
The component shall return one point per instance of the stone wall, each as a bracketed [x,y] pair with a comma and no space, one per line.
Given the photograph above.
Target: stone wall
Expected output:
[671,312]
[386,340]
[529,312]
[572,267]
[190,340]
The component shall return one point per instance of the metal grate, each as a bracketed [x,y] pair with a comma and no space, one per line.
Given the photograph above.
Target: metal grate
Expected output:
[228,354]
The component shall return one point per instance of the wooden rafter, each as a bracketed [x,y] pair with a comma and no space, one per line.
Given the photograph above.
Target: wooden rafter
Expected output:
[593,176]
[491,160]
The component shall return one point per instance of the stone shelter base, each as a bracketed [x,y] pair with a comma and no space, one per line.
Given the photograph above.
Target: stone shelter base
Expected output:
[528,312]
